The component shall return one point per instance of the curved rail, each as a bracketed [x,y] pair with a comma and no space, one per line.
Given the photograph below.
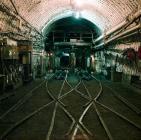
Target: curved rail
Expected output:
[125,101]
[20,102]
[113,111]
[58,102]
[89,104]
[76,124]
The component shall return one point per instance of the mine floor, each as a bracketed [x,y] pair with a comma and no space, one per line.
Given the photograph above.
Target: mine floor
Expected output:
[67,109]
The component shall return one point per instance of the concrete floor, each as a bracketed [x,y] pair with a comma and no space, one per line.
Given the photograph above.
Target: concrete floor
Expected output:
[54,125]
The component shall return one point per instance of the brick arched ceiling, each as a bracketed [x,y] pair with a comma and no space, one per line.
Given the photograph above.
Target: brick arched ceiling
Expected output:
[103,13]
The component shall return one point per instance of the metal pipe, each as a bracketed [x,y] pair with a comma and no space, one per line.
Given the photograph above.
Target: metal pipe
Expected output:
[128,21]
[14,6]
[125,33]
[120,35]
[111,31]
[131,34]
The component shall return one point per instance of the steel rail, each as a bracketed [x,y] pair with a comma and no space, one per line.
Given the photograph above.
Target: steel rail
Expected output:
[99,93]
[26,118]
[125,101]
[52,122]
[90,103]
[53,97]
[13,127]
[63,84]
[17,124]
[120,115]
[80,121]
[113,111]
[90,97]
[103,122]
[55,108]
[74,122]
[75,89]
[77,125]
[98,112]
[20,102]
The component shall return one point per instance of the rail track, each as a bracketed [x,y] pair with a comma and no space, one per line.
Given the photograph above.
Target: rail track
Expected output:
[75,123]
[17,96]
[96,98]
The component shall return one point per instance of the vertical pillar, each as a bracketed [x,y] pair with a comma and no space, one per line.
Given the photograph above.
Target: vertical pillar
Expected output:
[73,60]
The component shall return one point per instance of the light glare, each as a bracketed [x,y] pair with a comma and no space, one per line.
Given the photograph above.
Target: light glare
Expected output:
[78,2]
[77,15]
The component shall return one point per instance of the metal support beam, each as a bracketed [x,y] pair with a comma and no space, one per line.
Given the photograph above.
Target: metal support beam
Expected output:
[133,29]
[129,20]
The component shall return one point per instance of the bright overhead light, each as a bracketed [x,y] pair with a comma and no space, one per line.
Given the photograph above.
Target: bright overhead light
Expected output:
[78,2]
[83,2]
[77,15]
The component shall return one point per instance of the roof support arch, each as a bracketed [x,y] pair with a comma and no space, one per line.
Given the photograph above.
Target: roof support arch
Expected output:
[69,13]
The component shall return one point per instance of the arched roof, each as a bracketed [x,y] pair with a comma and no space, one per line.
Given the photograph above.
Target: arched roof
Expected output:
[103,13]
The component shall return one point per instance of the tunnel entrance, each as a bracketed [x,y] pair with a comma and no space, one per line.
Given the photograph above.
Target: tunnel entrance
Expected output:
[65,61]
[71,41]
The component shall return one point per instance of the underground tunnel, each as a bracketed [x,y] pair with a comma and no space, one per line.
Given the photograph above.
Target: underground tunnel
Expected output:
[70,70]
